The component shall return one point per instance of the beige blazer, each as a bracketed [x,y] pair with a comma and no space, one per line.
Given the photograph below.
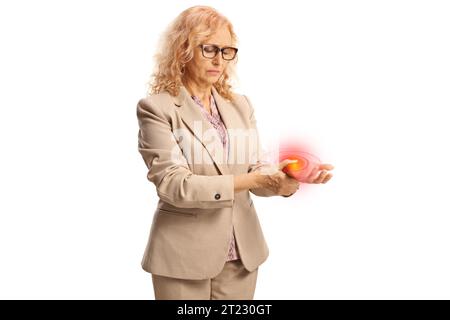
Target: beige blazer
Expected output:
[197,207]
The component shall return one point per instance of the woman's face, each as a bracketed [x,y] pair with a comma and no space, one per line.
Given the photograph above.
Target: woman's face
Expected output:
[199,69]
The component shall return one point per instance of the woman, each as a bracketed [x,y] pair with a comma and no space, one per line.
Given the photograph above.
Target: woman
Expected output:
[205,241]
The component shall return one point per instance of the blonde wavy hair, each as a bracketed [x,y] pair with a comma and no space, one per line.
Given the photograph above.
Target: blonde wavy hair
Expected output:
[176,48]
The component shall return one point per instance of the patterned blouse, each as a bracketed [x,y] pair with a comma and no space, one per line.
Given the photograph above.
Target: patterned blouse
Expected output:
[217,123]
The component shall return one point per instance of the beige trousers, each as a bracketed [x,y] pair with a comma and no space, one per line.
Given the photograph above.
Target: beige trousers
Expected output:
[234,282]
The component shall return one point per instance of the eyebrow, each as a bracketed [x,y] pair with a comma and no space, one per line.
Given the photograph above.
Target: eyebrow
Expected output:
[215,44]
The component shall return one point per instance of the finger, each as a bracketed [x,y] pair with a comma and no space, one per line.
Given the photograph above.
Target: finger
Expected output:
[313,175]
[293,183]
[285,162]
[320,177]
[327,178]
[326,166]
[268,169]
[283,175]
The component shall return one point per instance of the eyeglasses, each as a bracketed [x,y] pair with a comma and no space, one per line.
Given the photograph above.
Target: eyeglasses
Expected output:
[210,51]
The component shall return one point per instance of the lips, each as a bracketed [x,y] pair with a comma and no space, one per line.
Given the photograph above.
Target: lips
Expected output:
[214,71]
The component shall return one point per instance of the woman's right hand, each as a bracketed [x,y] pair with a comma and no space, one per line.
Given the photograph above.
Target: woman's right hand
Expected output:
[279,182]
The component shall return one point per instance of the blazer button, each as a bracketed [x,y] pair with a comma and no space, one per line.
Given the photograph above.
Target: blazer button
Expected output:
[217,196]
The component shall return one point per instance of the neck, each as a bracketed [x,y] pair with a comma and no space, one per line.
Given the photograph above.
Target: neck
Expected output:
[202,91]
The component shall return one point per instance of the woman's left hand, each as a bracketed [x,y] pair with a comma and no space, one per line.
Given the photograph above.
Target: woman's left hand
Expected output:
[320,174]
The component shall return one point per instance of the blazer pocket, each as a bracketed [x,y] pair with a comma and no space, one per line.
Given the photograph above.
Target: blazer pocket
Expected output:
[178,213]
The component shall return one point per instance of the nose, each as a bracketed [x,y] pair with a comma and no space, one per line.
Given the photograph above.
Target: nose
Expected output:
[218,59]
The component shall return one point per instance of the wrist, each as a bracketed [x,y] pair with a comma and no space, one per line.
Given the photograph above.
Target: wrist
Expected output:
[258,180]
[265,181]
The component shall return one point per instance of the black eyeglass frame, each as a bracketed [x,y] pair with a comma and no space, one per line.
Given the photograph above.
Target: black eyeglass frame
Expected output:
[217,51]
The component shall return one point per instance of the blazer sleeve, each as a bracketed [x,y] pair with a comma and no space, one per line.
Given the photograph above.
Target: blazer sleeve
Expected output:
[260,164]
[168,169]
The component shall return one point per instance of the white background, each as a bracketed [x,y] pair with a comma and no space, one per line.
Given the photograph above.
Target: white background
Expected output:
[365,82]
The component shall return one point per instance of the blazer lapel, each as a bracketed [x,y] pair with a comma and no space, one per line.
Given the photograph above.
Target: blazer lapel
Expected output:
[245,145]
[226,111]
[231,120]
[193,117]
